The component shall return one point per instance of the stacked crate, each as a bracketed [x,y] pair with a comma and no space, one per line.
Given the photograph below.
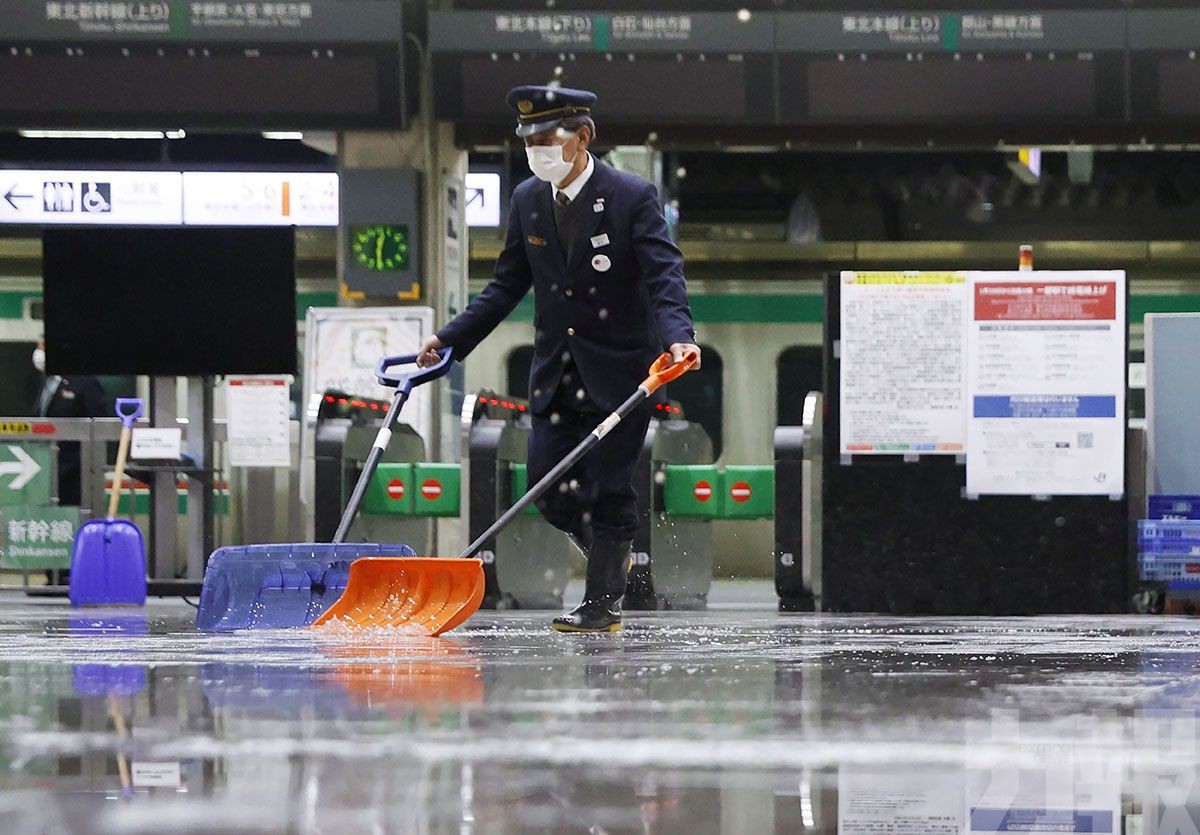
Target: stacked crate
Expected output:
[1169,541]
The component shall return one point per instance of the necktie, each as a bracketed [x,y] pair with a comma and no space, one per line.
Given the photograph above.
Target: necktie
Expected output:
[561,202]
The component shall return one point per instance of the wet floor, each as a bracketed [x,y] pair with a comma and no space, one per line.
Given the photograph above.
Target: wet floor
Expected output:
[734,720]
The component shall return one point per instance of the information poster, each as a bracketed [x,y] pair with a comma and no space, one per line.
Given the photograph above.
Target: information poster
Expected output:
[342,349]
[1047,359]
[1065,796]
[910,801]
[903,363]
[257,410]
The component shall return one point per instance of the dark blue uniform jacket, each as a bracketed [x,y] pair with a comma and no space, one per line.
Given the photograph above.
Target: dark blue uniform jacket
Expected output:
[614,308]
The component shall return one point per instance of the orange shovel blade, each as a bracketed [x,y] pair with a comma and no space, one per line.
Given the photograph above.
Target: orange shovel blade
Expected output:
[429,595]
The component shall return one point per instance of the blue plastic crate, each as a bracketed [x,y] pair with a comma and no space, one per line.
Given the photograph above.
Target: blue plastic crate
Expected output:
[1162,569]
[1169,547]
[1164,529]
[1173,507]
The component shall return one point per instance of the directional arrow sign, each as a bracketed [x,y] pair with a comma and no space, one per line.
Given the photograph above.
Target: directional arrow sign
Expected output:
[12,197]
[483,198]
[24,468]
[24,474]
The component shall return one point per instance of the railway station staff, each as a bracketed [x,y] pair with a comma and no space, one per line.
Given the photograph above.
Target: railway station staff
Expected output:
[609,297]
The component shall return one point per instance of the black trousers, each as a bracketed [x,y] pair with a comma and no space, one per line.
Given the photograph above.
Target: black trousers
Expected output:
[596,493]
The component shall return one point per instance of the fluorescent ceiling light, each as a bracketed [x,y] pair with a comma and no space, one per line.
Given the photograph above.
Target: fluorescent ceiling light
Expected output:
[102,134]
[283,134]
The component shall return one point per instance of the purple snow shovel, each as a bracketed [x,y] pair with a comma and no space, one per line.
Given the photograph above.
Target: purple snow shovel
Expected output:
[108,563]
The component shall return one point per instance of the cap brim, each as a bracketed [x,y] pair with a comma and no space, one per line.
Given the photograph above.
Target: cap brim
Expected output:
[525,129]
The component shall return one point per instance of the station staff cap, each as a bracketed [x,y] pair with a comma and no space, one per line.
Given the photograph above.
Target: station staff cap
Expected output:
[542,108]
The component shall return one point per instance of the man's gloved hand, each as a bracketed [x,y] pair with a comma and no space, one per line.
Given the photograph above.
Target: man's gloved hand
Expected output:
[680,349]
[428,355]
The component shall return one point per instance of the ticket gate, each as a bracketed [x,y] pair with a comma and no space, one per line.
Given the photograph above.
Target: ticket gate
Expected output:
[341,447]
[528,564]
[798,459]
[672,553]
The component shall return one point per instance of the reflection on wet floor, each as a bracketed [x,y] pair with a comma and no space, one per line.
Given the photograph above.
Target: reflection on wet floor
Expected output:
[735,720]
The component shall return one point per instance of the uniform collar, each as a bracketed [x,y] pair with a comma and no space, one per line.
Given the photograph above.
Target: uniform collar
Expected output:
[576,187]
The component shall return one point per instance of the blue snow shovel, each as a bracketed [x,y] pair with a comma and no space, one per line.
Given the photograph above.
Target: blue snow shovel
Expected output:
[108,562]
[292,584]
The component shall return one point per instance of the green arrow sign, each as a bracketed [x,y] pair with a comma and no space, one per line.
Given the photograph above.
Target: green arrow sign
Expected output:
[24,474]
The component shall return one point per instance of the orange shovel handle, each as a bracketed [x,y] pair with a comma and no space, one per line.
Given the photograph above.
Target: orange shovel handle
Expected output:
[664,370]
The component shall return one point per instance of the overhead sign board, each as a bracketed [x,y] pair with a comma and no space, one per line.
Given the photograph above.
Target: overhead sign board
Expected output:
[50,197]
[190,21]
[633,32]
[260,199]
[980,31]
[168,198]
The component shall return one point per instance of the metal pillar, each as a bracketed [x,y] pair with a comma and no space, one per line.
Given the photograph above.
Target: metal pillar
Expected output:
[164,503]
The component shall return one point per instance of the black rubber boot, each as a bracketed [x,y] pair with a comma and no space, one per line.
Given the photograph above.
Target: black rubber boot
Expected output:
[607,571]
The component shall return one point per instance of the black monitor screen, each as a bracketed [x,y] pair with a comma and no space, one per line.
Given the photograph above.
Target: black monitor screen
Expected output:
[170,301]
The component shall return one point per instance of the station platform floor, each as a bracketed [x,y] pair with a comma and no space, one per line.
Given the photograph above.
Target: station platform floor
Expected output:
[737,719]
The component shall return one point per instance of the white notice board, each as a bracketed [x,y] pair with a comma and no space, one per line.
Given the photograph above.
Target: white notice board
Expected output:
[903,363]
[1046,354]
[257,410]
[344,345]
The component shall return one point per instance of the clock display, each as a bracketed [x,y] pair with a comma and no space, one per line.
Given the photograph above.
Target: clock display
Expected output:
[380,247]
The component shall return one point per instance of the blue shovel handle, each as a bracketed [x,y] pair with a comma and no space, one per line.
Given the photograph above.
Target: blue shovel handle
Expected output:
[129,409]
[407,382]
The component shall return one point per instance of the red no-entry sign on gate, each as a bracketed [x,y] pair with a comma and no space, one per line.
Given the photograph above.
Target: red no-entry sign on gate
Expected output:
[740,492]
[431,489]
[395,489]
[703,491]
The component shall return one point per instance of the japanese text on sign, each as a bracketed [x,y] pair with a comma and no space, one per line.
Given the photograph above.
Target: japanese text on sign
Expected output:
[651,27]
[1046,355]
[572,28]
[37,537]
[902,29]
[1002,27]
[567,29]
[903,375]
[136,12]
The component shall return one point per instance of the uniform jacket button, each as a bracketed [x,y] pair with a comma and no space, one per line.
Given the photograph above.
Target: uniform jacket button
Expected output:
[569,292]
[570,331]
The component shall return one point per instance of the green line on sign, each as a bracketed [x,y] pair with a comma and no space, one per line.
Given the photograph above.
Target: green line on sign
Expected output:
[601,32]
[951,29]
[178,17]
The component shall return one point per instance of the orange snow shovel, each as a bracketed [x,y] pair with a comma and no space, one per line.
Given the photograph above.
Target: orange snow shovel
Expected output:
[433,596]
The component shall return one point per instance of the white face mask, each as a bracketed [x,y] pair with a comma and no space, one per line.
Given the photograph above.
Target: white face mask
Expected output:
[39,359]
[547,163]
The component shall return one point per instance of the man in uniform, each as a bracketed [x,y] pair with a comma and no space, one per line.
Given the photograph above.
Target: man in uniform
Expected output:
[609,297]
[77,396]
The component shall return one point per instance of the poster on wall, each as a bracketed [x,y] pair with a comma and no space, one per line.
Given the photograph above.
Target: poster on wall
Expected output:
[342,348]
[903,363]
[916,799]
[345,346]
[257,409]
[1046,353]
